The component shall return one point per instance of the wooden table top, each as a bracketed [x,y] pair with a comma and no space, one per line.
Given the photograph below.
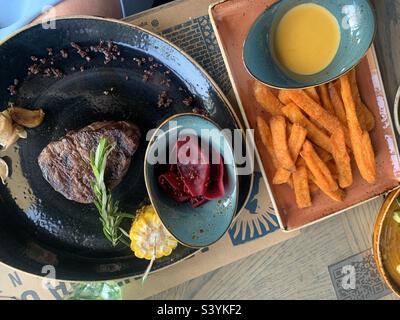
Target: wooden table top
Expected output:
[299,268]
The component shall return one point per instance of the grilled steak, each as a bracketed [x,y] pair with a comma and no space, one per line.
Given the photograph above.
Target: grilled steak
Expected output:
[65,164]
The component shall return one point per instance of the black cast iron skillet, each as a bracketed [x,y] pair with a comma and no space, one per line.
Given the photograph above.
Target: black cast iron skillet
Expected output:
[38,226]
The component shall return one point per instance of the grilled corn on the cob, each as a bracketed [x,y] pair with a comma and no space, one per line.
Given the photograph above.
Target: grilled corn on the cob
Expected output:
[149,237]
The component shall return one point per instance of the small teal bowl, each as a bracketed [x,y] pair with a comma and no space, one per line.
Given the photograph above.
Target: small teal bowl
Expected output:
[357,25]
[204,225]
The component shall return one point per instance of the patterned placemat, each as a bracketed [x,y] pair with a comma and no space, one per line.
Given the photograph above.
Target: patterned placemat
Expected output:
[196,37]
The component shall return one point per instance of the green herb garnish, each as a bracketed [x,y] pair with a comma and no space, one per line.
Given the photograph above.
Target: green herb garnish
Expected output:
[110,216]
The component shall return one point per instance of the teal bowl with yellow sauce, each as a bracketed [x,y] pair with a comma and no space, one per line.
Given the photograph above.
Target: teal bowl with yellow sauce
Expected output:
[271,45]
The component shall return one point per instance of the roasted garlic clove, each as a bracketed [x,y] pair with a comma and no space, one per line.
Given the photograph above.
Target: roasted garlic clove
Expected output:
[25,117]
[20,132]
[8,140]
[6,129]
[3,171]
[9,132]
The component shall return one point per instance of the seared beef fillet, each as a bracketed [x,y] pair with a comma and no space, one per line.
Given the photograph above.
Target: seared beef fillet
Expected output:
[65,164]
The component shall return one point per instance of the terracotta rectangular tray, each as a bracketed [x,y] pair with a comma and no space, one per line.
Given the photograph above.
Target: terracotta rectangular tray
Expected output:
[231,21]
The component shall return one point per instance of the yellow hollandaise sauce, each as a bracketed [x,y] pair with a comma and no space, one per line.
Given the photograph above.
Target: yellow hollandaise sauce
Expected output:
[307,39]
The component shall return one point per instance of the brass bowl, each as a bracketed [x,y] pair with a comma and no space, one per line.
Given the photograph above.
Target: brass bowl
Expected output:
[386,243]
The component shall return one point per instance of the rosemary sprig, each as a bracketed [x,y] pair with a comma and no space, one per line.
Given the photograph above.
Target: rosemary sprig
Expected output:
[108,209]
[110,216]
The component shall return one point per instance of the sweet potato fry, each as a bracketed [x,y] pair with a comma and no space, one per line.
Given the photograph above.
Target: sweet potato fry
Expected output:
[266,137]
[301,188]
[362,147]
[328,106]
[300,162]
[325,99]
[323,154]
[365,116]
[279,139]
[337,195]
[267,99]
[337,104]
[313,93]
[314,110]
[297,137]
[283,97]
[294,114]
[333,169]
[288,128]
[296,140]
[318,168]
[281,176]
[313,187]
[369,156]
[342,159]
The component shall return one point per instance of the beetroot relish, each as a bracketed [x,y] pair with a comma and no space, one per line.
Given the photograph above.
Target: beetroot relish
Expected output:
[215,187]
[196,179]
[195,174]
[173,186]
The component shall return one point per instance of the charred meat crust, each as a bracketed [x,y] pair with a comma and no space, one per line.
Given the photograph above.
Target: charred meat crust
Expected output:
[65,163]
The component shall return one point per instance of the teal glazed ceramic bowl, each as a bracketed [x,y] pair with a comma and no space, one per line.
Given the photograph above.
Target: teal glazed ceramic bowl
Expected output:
[357,23]
[204,225]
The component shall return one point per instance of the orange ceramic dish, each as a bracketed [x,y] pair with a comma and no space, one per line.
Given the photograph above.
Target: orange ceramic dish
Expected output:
[232,21]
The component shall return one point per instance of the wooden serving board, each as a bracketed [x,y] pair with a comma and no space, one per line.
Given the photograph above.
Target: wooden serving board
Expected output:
[232,21]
